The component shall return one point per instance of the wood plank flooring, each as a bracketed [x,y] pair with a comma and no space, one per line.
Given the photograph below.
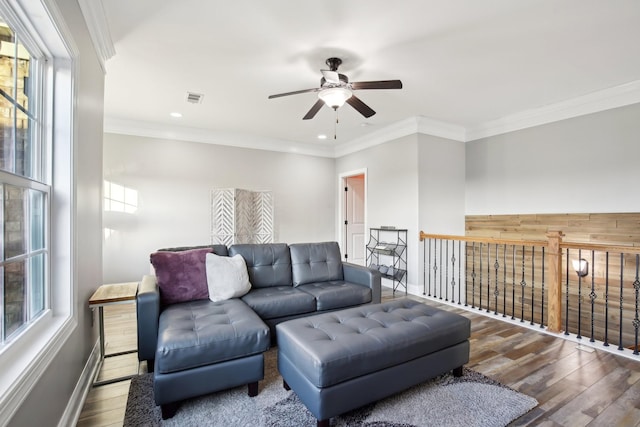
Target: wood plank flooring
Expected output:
[574,387]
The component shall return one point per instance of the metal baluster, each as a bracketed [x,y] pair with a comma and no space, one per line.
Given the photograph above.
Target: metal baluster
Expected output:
[523,284]
[453,271]
[496,292]
[440,278]
[460,270]
[566,305]
[435,265]
[606,301]
[542,289]
[579,336]
[480,284]
[513,282]
[593,295]
[620,347]
[533,280]
[488,256]
[446,275]
[425,257]
[636,320]
[504,280]
[473,277]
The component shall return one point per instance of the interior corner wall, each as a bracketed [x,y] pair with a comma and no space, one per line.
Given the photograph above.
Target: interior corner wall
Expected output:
[441,166]
[586,164]
[173,182]
[392,189]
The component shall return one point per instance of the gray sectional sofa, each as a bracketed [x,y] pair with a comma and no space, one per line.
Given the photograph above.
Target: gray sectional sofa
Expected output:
[199,346]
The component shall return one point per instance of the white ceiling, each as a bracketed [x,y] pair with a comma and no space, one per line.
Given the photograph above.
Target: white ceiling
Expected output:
[469,66]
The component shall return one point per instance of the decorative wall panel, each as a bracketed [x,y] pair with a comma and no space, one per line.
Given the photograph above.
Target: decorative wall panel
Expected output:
[241,216]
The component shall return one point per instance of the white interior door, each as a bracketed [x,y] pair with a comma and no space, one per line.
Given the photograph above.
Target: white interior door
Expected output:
[354,203]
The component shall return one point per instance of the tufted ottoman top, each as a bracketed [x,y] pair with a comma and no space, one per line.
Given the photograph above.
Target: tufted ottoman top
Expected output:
[333,347]
[203,332]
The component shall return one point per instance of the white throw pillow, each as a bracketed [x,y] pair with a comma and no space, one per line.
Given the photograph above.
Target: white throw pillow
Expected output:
[227,277]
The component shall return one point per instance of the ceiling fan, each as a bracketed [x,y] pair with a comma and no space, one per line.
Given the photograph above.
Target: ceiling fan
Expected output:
[335,89]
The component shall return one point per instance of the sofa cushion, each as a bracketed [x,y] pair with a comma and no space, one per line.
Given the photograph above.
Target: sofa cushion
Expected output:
[337,294]
[268,264]
[181,275]
[315,262]
[227,277]
[200,333]
[279,301]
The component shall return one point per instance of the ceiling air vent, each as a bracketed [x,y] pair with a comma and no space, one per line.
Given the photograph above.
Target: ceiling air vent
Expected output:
[194,98]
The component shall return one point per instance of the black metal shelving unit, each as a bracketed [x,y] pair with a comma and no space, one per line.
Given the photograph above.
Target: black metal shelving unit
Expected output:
[387,253]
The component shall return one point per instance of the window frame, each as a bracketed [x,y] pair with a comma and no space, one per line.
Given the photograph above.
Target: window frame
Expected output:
[26,360]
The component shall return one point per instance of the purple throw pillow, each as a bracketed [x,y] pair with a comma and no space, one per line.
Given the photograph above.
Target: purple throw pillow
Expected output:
[182,276]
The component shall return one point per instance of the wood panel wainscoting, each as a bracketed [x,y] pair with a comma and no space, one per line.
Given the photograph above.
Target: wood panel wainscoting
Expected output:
[619,229]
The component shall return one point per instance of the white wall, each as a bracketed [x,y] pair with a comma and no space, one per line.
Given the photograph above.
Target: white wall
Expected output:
[392,189]
[579,165]
[173,180]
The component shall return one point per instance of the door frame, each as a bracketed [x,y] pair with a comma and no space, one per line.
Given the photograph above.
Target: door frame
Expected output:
[342,182]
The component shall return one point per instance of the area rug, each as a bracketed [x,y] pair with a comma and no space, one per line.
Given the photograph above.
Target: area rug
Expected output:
[470,400]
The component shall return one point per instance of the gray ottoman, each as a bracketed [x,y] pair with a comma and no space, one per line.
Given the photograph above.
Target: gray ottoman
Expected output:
[339,361]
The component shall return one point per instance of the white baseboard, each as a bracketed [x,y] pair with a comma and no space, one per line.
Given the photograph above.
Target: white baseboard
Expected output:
[85,382]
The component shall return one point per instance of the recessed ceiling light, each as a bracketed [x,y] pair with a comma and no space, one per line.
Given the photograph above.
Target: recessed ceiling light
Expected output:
[322,136]
[175,114]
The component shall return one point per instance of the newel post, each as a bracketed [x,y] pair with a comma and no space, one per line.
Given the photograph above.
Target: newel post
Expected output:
[554,261]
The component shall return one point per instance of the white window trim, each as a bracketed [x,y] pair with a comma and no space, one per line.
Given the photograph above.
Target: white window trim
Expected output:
[29,355]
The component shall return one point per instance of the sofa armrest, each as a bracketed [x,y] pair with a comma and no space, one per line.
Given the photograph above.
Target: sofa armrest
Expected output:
[148,313]
[364,276]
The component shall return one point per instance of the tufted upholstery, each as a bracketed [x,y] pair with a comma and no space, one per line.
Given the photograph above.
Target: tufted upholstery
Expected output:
[268,264]
[315,262]
[336,362]
[333,347]
[200,333]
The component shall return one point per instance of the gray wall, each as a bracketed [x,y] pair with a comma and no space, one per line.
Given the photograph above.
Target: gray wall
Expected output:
[579,165]
[47,401]
[174,179]
[392,188]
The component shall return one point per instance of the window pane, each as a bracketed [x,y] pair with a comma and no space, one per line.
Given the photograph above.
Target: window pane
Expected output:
[36,278]
[14,233]
[16,111]
[36,222]
[7,155]
[14,296]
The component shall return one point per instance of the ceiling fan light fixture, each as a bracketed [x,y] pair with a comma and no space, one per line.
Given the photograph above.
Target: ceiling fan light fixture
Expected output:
[335,97]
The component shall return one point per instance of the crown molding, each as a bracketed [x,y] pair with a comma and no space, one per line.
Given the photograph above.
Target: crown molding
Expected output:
[614,97]
[94,16]
[183,133]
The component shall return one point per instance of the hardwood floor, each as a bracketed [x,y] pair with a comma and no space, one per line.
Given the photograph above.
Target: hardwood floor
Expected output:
[574,387]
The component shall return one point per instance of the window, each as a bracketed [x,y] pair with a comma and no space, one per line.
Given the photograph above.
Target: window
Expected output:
[38,60]
[24,188]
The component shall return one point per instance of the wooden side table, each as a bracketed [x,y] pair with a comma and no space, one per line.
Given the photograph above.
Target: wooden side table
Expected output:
[116,293]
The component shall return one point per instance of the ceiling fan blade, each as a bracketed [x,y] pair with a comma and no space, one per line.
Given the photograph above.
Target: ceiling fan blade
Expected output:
[293,93]
[360,106]
[314,110]
[331,76]
[380,84]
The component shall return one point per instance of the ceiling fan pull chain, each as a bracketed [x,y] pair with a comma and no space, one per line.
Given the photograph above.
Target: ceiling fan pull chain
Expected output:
[335,126]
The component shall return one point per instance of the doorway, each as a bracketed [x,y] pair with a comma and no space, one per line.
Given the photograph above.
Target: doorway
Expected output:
[352,216]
